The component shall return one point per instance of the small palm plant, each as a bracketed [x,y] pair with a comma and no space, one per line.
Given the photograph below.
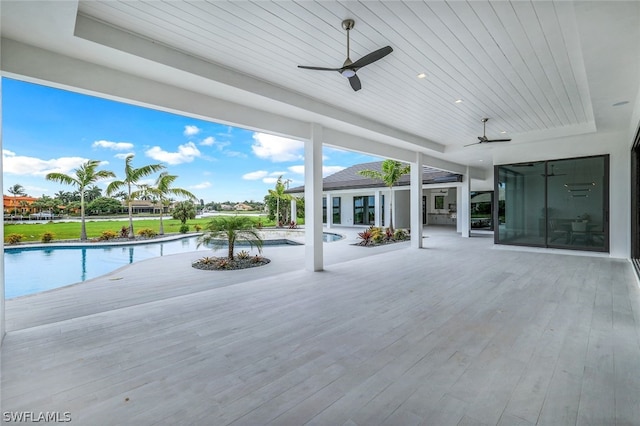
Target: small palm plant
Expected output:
[229,230]
[390,174]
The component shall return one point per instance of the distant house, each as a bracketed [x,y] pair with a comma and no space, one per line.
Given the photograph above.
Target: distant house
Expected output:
[242,206]
[145,207]
[356,200]
[227,207]
[20,205]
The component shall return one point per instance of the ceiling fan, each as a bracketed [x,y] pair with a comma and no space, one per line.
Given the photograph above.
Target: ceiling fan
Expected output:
[483,138]
[349,68]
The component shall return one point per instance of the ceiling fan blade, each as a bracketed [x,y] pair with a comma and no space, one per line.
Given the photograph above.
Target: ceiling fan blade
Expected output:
[482,139]
[475,143]
[497,140]
[370,58]
[318,68]
[355,83]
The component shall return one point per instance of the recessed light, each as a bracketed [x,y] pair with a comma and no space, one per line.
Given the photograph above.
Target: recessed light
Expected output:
[503,132]
[422,75]
[620,103]
[481,161]
[458,101]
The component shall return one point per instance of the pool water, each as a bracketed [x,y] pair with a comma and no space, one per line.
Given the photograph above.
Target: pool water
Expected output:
[31,270]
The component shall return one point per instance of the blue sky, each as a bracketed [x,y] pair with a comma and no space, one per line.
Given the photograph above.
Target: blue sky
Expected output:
[46,129]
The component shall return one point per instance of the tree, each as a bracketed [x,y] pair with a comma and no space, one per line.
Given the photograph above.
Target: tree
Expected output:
[93,193]
[85,175]
[390,174]
[229,230]
[184,211]
[102,205]
[161,191]
[131,179]
[16,190]
[278,193]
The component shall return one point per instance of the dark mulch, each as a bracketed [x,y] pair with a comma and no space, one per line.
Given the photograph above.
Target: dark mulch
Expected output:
[377,244]
[224,264]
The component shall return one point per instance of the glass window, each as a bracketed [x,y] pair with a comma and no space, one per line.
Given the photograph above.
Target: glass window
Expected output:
[358,210]
[481,210]
[556,203]
[521,187]
[336,213]
[324,209]
[364,210]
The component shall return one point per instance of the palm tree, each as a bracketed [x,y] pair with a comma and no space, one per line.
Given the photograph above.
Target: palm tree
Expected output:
[16,190]
[228,230]
[390,174]
[161,190]
[184,211]
[93,193]
[131,178]
[279,194]
[85,175]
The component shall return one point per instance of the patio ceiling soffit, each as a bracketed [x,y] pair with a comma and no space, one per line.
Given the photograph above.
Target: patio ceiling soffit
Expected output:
[98,32]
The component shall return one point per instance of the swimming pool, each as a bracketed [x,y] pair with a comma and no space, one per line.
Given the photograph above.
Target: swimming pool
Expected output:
[31,270]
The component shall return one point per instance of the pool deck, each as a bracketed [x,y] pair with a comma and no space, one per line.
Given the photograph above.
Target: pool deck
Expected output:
[457,333]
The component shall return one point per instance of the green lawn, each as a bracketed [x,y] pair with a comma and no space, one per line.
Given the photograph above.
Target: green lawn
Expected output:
[71,230]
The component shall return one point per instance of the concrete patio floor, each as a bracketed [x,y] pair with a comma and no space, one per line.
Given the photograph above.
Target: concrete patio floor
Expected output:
[457,333]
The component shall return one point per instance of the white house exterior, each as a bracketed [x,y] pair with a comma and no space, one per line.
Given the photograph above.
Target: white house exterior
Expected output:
[350,199]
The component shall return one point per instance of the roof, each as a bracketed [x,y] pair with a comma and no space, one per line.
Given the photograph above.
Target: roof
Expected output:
[350,179]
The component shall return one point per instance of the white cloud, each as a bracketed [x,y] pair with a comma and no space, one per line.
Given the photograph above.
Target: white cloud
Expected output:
[258,174]
[297,169]
[116,146]
[22,165]
[191,130]
[270,180]
[276,148]
[185,154]
[123,156]
[329,170]
[202,185]
[326,170]
[208,141]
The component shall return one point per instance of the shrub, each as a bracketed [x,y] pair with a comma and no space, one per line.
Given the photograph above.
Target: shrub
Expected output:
[184,228]
[197,227]
[243,254]
[376,234]
[259,225]
[14,238]
[47,237]
[389,234]
[365,237]
[208,260]
[147,233]
[108,235]
[124,232]
[400,235]
[224,263]
[257,259]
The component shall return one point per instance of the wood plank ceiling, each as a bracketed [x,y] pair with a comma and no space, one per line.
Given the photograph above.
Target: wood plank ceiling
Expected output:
[519,63]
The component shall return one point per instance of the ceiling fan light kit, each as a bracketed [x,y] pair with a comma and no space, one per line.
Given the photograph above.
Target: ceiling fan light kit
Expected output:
[350,68]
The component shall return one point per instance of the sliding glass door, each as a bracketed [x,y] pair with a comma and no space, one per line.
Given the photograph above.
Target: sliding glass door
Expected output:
[556,203]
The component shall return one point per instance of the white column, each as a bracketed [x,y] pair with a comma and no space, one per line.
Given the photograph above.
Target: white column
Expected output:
[464,211]
[294,211]
[378,210]
[329,210]
[2,328]
[416,202]
[459,210]
[313,199]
